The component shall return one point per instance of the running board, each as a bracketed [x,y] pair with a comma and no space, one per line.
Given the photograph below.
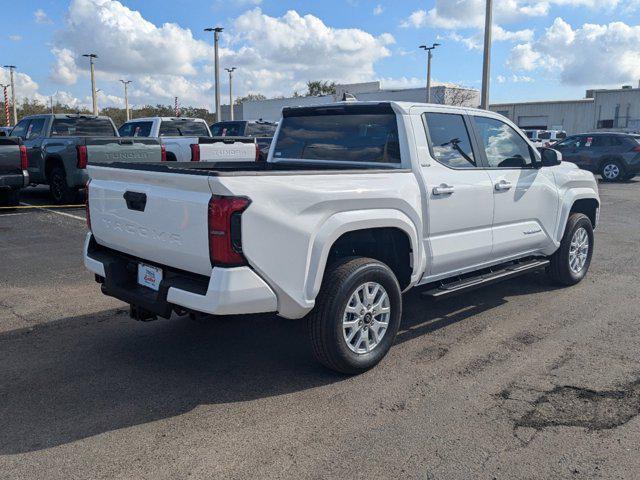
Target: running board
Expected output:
[496,274]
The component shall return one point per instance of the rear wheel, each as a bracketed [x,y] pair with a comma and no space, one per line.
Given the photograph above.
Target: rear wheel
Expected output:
[570,263]
[357,315]
[60,191]
[612,171]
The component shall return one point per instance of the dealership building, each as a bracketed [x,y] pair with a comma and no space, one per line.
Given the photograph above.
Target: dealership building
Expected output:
[442,93]
[601,110]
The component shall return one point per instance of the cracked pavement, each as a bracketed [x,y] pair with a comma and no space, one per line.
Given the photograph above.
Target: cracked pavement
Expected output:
[516,380]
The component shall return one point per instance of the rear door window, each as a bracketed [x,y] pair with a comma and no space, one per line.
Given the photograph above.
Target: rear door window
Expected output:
[449,140]
[503,147]
[340,134]
[82,127]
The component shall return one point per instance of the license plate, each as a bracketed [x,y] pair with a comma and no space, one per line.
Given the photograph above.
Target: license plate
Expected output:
[149,276]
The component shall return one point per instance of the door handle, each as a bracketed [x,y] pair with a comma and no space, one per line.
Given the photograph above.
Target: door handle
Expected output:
[503,185]
[443,189]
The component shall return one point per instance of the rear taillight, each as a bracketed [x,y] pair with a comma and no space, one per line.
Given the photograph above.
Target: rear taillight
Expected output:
[257,152]
[636,149]
[24,158]
[163,153]
[225,230]
[86,204]
[81,153]
[195,152]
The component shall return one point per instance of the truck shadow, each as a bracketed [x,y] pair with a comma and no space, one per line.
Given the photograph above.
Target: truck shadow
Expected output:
[83,376]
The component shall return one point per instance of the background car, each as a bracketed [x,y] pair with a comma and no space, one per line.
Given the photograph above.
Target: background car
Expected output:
[5,131]
[615,156]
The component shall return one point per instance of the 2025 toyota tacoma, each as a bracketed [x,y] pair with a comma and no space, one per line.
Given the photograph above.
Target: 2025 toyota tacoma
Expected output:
[357,203]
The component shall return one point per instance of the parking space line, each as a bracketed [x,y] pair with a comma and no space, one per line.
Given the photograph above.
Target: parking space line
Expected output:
[64,214]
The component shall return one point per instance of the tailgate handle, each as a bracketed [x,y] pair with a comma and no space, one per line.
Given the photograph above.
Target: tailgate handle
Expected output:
[135,200]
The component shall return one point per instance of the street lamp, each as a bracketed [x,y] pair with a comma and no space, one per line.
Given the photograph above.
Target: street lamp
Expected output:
[429,51]
[216,37]
[13,93]
[126,97]
[231,70]
[486,59]
[92,57]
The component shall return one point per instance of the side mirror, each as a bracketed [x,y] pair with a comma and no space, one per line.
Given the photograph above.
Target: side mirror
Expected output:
[550,157]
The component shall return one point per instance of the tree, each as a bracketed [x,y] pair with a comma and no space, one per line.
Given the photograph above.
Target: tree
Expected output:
[250,97]
[319,87]
[462,97]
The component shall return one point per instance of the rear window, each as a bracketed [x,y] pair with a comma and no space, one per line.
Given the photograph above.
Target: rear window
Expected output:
[82,127]
[135,129]
[260,130]
[183,128]
[227,129]
[544,135]
[339,135]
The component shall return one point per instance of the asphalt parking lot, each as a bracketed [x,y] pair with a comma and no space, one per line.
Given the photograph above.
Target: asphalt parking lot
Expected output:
[517,380]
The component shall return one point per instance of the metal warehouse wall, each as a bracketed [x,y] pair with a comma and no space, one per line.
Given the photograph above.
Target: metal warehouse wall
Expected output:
[622,107]
[575,116]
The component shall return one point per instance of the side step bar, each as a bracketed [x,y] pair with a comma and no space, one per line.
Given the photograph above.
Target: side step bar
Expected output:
[495,274]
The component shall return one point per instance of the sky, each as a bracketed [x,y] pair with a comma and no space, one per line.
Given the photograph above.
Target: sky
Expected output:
[542,49]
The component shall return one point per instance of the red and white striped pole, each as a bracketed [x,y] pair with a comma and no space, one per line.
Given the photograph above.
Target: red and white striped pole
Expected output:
[176,108]
[6,105]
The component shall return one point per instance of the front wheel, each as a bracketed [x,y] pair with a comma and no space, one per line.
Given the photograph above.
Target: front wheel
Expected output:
[357,315]
[570,263]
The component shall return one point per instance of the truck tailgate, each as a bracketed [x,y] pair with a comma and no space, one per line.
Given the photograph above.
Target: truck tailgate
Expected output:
[230,149]
[162,220]
[114,149]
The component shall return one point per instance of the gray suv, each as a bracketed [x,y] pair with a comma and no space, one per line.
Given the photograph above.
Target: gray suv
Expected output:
[615,156]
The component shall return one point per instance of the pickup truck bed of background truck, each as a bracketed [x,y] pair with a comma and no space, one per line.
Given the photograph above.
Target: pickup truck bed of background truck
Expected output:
[226,149]
[177,134]
[13,170]
[59,147]
[357,203]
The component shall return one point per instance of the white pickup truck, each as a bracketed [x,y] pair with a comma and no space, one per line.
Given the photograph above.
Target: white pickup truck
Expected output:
[177,134]
[357,203]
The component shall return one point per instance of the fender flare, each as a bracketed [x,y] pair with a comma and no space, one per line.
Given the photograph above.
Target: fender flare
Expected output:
[343,222]
[571,196]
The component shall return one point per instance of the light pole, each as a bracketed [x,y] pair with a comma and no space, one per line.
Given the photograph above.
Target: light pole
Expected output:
[6,104]
[13,93]
[429,51]
[216,37]
[92,57]
[486,60]
[231,70]
[126,97]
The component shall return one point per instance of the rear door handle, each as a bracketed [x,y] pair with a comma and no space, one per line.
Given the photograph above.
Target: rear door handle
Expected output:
[503,185]
[443,189]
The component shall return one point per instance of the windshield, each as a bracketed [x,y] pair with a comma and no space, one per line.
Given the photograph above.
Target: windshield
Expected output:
[183,128]
[82,127]
[344,137]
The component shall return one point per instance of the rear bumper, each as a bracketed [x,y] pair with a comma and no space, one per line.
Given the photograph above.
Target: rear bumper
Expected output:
[14,180]
[227,291]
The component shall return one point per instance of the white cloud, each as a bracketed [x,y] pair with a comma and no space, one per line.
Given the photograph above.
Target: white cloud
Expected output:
[65,70]
[41,17]
[499,34]
[595,55]
[15,38]
[514,79]
[457,14]
[378,9]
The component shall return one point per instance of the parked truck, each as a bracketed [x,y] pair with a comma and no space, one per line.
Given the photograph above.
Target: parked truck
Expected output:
[263,132]
[177,134]
[357,203]
[14,173]
[59,148]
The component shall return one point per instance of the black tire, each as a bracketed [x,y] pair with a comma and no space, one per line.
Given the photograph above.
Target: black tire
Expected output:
[10,198]
[559,269]
[612,165]
[340,282]
[61,193]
